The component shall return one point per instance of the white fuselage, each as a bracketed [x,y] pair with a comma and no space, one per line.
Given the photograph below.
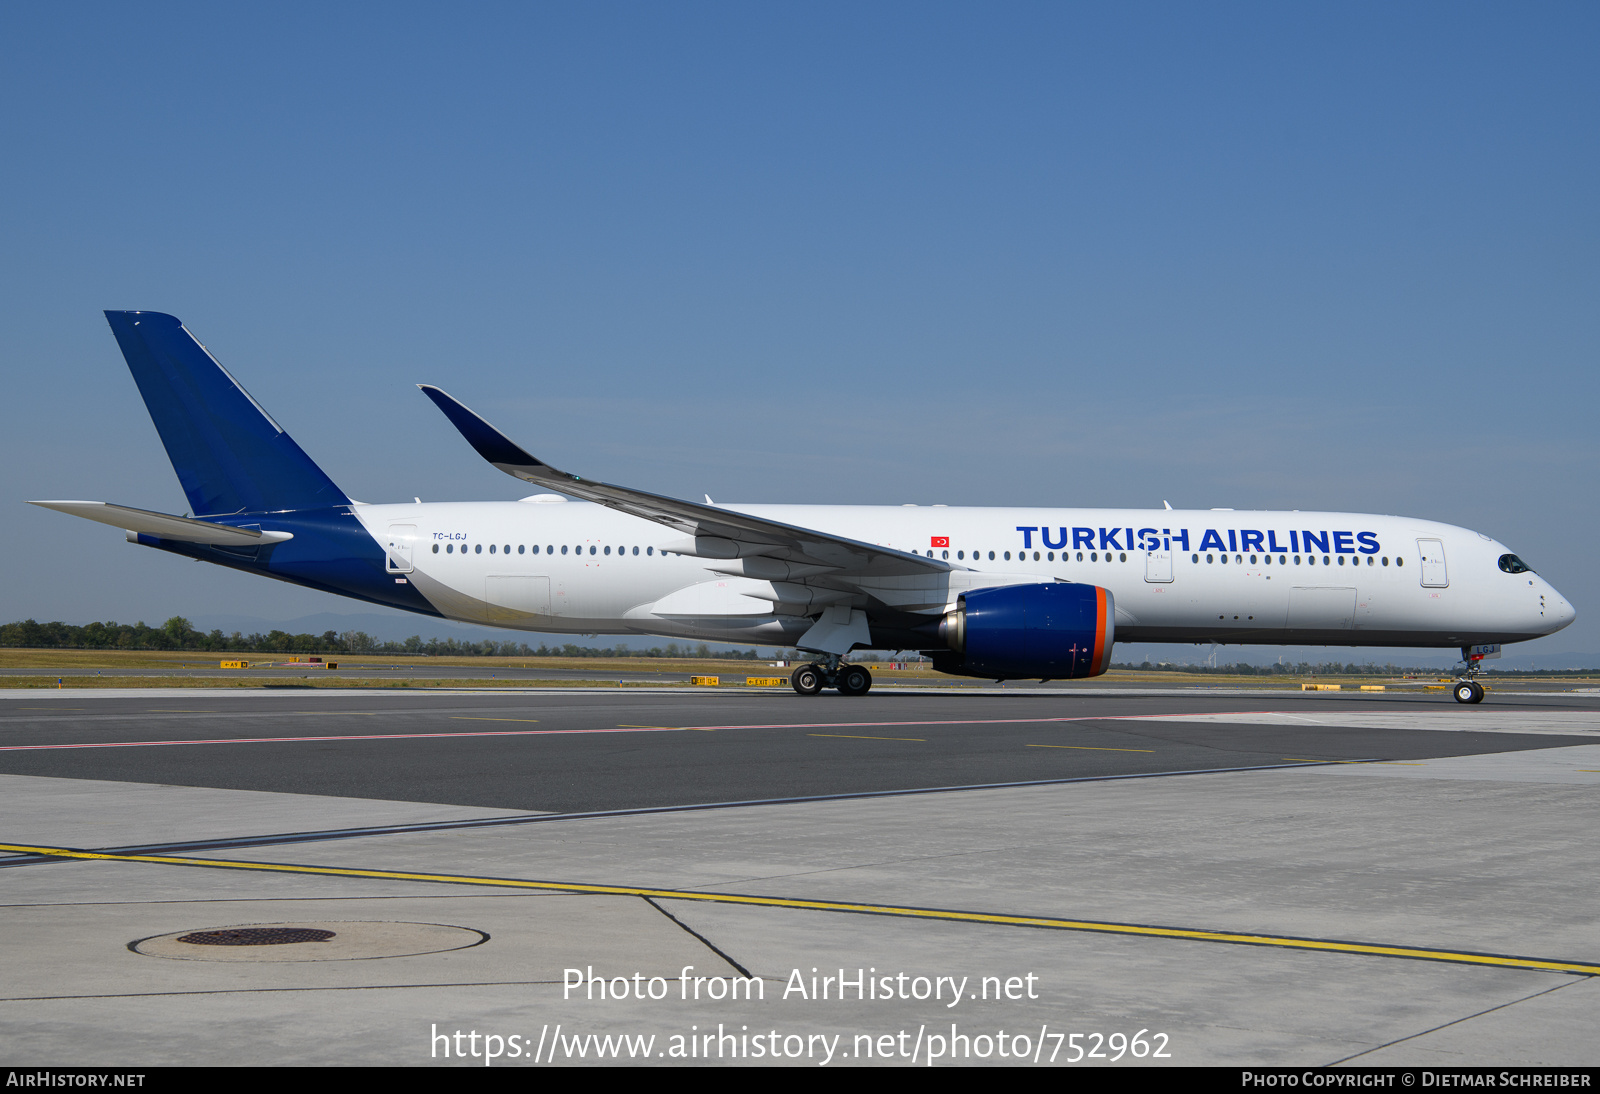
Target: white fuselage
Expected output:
[1175,575]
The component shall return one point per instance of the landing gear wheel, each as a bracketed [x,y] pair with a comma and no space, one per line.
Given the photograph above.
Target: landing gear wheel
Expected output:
[854,680]
[1469,691]
[807,680]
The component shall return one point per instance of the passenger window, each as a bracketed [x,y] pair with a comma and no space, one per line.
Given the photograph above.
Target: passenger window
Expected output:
[1036,556]
[1209,560]
[477,549]
[1051,556]
[1122,556]
[449,548]
[1252,560]
[435,548]
[1341,560]
[1195,558]
[649,550]
[563,548]
[1386,560]
[1223,559]
[944,554]
[1327,560]
[491,548]
[1008,556]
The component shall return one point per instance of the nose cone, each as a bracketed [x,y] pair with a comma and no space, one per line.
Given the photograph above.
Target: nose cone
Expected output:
[1555,611]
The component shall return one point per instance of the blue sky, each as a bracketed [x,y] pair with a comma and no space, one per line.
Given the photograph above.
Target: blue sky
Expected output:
[1317,257]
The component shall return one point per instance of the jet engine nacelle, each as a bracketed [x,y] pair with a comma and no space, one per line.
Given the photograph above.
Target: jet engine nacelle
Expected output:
[1058,631]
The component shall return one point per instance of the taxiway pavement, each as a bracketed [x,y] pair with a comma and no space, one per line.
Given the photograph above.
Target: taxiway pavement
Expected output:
[1264,880]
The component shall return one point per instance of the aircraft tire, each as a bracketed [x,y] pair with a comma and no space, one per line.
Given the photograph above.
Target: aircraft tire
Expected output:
[854,680]
[807,680]
[1469,691]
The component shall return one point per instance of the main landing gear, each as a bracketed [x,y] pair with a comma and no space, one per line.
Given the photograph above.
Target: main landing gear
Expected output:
[849,679]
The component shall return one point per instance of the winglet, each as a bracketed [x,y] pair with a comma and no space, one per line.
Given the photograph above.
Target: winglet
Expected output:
[488,441]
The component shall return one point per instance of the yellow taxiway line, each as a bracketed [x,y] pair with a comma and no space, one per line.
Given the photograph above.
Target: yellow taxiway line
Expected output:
[1460,957]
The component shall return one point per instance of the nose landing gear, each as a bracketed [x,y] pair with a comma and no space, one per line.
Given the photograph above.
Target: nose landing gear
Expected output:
[1467,688]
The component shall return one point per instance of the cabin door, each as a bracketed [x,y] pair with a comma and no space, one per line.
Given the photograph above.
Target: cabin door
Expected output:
[397,554]
[1433,571]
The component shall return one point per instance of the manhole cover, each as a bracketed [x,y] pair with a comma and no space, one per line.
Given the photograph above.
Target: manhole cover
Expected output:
[256,936]
[317,941]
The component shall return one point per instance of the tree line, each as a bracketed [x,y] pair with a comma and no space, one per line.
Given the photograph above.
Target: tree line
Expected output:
[178,634]
[1335,668]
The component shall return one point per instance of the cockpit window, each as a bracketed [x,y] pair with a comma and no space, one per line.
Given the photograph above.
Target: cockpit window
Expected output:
[1511,564]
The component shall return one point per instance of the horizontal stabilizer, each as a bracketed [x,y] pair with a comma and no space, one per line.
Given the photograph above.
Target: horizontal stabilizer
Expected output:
[165,525]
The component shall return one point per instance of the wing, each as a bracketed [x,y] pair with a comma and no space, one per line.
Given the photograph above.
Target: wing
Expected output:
[813,557]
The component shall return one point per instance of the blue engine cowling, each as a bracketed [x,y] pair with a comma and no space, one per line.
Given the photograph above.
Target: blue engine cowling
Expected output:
[1059,631]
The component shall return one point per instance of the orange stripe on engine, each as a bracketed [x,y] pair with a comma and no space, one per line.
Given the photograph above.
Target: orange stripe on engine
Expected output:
[1100,650]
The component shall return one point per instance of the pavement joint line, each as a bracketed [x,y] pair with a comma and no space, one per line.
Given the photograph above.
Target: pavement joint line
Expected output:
[702,939]
[512,733]
[602,814]
[484,718]
[309,989]
[865,737]
[919,722]
[948,915]
[1094,748]
[1446,1025]
[334,737]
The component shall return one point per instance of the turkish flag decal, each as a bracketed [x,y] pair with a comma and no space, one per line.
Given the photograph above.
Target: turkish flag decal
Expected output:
[941,541]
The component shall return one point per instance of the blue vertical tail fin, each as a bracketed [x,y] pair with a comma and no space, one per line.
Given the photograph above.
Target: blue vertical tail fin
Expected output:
[229,454]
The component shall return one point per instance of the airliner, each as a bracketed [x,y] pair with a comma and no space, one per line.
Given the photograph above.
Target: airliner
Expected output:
[996,593]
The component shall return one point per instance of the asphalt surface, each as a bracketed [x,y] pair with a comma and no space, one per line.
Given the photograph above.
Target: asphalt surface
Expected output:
[569,751]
